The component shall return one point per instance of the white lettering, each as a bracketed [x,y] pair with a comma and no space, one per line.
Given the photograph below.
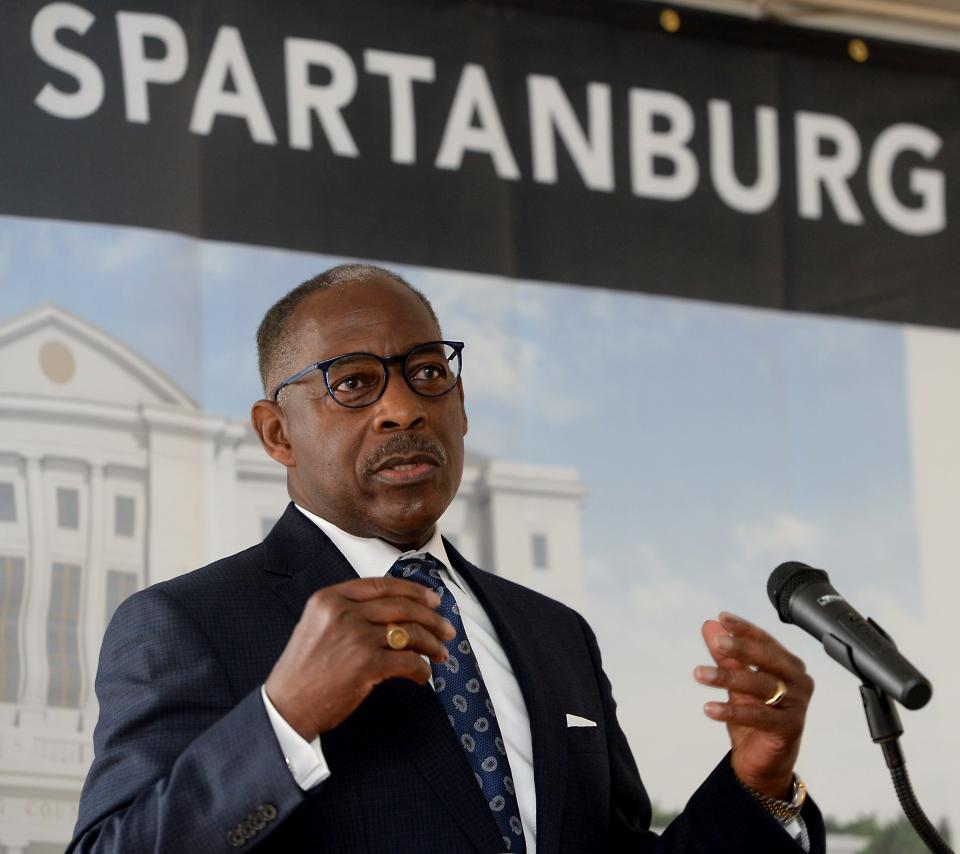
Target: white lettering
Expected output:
[401,70]
[931,216]
[43,35]
[133,29]
[815,168]
[761,195]
[228,58]
[474,98]
[646,145]
[305,98]
[551,110]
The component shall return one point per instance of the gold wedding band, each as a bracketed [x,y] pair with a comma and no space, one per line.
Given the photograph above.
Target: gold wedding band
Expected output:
[397,636]
[778,695]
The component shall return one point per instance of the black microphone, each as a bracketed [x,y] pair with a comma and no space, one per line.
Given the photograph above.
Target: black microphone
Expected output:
[804,596]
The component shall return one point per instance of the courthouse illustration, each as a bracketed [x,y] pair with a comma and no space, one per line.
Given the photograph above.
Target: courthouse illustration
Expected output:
[112,478]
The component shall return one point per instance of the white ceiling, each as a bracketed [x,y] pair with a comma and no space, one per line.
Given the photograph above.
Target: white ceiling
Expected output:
[931,22]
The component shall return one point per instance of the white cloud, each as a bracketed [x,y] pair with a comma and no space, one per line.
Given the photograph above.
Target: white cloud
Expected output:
[220,261]
[602,306]
[559,410]
[130,246]
[784,533]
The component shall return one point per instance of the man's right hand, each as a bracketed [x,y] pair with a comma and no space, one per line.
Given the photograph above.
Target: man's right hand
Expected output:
[338,651]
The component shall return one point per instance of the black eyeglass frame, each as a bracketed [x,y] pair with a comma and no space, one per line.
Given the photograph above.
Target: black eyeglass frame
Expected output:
[386,361]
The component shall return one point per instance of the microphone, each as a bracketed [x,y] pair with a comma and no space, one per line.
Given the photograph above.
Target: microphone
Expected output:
[804,596]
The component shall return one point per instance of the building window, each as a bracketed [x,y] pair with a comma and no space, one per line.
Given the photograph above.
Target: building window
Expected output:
[11,600]
[68,508]
[538,551]
[120,585]
[8,504]
[63,637]
[123,510]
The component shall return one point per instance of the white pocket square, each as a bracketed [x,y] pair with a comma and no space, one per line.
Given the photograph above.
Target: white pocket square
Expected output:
[576,720]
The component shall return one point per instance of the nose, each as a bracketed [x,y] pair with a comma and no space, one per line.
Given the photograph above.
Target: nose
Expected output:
[400,407]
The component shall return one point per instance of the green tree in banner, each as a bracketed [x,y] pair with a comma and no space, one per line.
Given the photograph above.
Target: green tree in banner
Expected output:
[863,825]
[899,837]
[662,817]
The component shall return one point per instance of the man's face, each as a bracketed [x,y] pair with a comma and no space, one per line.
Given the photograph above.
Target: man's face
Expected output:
[387,470]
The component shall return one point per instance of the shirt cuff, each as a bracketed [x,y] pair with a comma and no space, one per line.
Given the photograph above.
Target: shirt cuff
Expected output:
[797,828]
[305,759]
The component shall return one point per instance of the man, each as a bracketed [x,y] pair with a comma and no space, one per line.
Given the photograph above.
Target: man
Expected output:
[353,684]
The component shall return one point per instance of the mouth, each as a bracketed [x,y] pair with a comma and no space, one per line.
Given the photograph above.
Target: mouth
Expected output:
[411,468]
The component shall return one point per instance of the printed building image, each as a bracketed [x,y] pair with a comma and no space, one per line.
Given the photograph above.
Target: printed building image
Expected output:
[112,478]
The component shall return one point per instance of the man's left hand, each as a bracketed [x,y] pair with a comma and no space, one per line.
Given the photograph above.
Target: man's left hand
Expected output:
[750,664]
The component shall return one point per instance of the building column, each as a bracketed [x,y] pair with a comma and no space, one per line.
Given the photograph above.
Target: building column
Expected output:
[37,598]
[221,524]
[93,607]
[932,360]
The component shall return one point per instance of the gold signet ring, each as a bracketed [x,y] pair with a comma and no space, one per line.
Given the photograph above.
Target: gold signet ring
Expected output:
[778,695]
[397,636]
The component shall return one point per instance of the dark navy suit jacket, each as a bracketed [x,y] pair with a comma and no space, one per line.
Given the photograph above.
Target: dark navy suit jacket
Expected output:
[186,760]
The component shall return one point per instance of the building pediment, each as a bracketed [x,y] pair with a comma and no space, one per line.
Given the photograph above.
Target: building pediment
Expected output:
[50,352]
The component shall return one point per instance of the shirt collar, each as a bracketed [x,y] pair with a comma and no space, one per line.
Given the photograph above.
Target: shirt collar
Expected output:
[372,557]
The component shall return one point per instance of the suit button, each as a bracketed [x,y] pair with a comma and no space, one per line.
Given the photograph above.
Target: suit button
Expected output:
[235,838]
[247,829]
[257,820]
[268,811]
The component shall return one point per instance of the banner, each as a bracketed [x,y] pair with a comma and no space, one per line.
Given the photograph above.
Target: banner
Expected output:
[500,139]
[553,180]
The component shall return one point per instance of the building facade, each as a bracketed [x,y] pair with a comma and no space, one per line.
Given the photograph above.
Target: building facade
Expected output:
[112,478]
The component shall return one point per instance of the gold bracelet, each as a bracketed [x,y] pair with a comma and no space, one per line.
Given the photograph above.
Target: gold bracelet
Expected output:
[783,810]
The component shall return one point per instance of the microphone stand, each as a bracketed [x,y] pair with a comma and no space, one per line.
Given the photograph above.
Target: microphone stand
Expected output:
[885,730]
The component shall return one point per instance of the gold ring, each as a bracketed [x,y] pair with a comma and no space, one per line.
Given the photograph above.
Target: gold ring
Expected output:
[778,695]
[397,636]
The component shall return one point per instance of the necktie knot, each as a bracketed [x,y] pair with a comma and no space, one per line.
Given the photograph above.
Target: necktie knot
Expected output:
[423,569]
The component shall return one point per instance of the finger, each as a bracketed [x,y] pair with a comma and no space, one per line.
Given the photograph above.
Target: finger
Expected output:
[756,684]
[366,589]
[711,631]
[740,627]
[419,640]
[399,610]
[406,664]
[754,716]
[766,654]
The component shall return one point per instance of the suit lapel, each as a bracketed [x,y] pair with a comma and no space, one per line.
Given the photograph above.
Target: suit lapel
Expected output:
[547,717]
[301,559]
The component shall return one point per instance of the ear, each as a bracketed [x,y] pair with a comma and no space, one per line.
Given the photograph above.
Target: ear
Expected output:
[270,424]
[463,409]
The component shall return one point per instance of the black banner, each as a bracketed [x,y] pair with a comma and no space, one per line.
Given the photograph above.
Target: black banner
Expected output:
[727,161]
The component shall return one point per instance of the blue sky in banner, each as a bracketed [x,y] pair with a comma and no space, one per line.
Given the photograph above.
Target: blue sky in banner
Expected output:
[728,436]
[717,441]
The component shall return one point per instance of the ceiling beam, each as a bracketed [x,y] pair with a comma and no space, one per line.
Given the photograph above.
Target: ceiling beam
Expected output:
[910,12]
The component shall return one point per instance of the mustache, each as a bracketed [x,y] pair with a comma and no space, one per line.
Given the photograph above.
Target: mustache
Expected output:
[403,443]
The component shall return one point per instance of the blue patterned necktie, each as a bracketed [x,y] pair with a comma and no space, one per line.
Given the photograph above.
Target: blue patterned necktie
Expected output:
[464,697]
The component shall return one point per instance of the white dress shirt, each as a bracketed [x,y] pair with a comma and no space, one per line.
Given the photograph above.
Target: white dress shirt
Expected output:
[372,558]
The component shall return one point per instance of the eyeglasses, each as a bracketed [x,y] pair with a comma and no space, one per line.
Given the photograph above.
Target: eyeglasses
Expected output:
[360,379]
